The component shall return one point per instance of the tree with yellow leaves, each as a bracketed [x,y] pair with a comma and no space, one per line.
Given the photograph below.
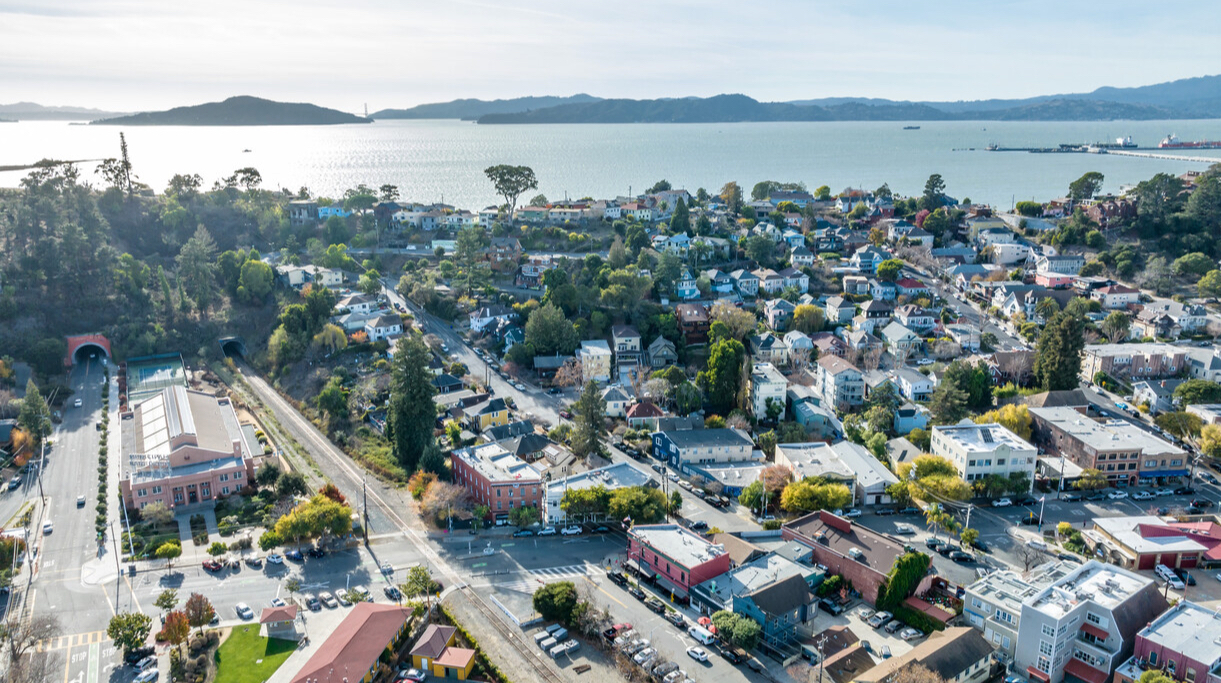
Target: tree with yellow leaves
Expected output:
[1014,417]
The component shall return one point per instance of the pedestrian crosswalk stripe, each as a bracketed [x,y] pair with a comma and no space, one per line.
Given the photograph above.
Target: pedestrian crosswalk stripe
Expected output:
[71,640]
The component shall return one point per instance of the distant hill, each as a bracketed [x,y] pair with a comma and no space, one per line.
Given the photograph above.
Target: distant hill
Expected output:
[239,111]
[29,111]
[471,109]
[740,108]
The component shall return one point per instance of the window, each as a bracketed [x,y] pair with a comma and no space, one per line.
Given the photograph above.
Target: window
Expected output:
[1153,658]
[498,505]
[1045,648]
[1005,642]
[237,475]
[1170,665]
[156,490]
[1048,631]
[970,463]
[1044,665]
[1150,463]
[1191,675]
[1000,461]
[497,493]
[975,602]
[140,493]
[224,476]
[1176,463]
[1095,619]
[224,491]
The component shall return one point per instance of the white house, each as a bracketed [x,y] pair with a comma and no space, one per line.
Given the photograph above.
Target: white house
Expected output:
[795,278]
[383,327]
[978,451]
[1115,296]
[801,256]
[617,401]
[899,337]
[915,386]
[766,384]
[486,315]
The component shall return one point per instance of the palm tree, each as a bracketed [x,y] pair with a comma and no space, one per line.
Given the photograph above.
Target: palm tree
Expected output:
[937,518]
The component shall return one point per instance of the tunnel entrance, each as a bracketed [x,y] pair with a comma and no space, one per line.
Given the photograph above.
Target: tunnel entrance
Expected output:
[233,347]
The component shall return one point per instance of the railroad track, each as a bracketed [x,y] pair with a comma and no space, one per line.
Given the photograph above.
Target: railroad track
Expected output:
[531,654]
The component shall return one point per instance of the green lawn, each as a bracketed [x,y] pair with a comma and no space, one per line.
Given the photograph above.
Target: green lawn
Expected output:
[237,656]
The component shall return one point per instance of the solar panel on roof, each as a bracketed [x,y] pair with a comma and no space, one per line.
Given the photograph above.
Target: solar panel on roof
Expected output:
[986,434]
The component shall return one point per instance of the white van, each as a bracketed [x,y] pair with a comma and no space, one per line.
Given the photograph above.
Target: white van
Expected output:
[1169,576]
[701,634]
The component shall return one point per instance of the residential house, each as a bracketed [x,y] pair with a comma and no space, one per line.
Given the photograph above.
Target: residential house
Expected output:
[436,653]
[1115,296]
[681,448]
[769,348]
[546,367]
[769,280]
[867,259]
[873,313]
[856,284]
[617,400]
[779,313]
[1157,393]
[779,608]
[1168,318]
[446,383]
[1053,280]
[958,654]
[721,282]
[357,303]
[840,383]
[799,345]
[911,288]
[838,310]
[595,358]
[1135,361]
[493,413]
[182,447]
[674,557]
[899,338]
[913,385]
[829,345]
[910,416]
[644,415]
[1093,615]
[1068,264]
[966,336]
[802,257]
[496,478]
[302,212]
[979,451]
[959,255]
[662,353]
[1177,644]
[799,197]
[486,315]
[531,214]
[767,387]
[915,318]
[745,283]
[881,290]
[384,327]
[1009,254]
[531,274]
[628,351]
[686,288]
[693,322]
[504,249]
[352,651]
[795,278]
[820,422]
[861,341]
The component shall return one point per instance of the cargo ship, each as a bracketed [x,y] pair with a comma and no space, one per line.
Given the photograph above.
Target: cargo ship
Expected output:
[1172,141]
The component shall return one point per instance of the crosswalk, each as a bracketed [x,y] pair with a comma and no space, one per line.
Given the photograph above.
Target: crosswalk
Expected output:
[71,640]
[548,574]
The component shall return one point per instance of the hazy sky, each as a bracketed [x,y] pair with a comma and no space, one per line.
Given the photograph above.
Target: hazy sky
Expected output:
[125,55]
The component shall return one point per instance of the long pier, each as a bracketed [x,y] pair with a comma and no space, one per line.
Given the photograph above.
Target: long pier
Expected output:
[1170,157]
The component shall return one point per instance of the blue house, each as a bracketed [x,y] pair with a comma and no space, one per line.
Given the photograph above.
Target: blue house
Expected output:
[686,289]
[910,416]
[325,212]
[779,608]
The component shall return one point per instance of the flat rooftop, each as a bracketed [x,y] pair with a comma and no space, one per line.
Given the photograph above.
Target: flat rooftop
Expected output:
[1149,444]
[1006,588]
[983,438]
[1126,350]
[754,575]
[1103,584]
[840,535]
[496,464]
[1188,628]
[681,546]
[618,475]
[1161,539]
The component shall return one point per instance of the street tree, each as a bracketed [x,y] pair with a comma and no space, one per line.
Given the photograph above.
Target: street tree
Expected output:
[1091,479]
[411,415]
[1194,391]
[168,551]
[511,182]
[739,322]
[129,630]
[167,600]
[419,581]
[176,629]
[34,417]
[889,269]
[199,611]
[524,516]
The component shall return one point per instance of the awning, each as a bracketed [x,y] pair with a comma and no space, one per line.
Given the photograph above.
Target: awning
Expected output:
[1094,631]
[1163,473]
[1040,675]
[1083,671]
[665,584]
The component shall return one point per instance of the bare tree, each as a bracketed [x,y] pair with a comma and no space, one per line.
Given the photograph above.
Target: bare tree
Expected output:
[18,638]
[915,673]
[1031,556]
[871,357]
[714,487]
[738,421]
[656,389]
[945,349]
[441,498]
[900,352]
[570,374]
[1213,328]
[799,359]
[1017,366]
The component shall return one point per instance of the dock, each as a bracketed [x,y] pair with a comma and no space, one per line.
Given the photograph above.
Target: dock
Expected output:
[1169,157]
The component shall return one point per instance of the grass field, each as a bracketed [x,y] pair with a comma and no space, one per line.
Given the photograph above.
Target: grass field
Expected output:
[237,656]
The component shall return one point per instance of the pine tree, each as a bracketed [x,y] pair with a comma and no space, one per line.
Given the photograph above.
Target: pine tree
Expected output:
[589,412]
[1057,360]
[409,422]
[680,222]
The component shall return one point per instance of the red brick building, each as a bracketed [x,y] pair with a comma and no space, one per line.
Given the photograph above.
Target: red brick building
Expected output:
[693,321]
[676,557]
[498,479]
[858,554]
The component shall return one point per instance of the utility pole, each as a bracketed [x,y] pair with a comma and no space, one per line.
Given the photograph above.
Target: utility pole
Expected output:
[968,522]
[1060,487]
[1042,504]
[364,485]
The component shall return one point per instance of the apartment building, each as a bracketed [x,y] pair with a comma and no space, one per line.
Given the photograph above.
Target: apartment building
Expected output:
[1182,643]
[1085,624]
[767,385]
[595,357]
[978,451]
[1137,361]
[702,446]
[497,478]
[993,604]
[840,383]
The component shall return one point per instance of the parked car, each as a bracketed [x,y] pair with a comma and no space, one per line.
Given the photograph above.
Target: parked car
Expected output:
[1186,577]
[911,510]
[1097,495]
[275,558]
[655,605]
[278,602]
[699,654]
[1071,497]
[328,599]
[893,626]
[572,531]
[960,556]
[148,676]
[644,655]
[212,566]
[387,568]
[522,532]
[1184,491]
[601,529]
[910,633]
[413,676]
[885,652]
[80,501]
[1143,495]
[145,663]
[676,618]
[315,551]
[933,542]
[243,610]
[134,655]
[699,525]
[1202,503]
[1002,503]
[547,531]
[1165,492]
[879,618]
[732,655]
[905,530]
[635,592]
[830,607]
[254,561]
[393,593]
[885,512]
[294,555]
[565,414]
[616,577]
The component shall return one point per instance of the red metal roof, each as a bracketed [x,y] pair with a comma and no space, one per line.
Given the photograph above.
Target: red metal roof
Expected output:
[1035,673]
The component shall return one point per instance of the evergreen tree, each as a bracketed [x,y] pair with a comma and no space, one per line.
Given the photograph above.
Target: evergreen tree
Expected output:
[409,422]
[1057,359]
[589,411]
[680,222]
[34,417]
[720,380]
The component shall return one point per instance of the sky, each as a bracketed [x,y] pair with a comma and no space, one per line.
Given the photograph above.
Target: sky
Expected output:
[133,55]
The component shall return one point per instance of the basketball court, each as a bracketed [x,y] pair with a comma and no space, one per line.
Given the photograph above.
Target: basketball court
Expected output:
[146,377]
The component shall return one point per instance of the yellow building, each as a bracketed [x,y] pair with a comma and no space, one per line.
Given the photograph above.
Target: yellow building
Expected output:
[493,413]
[435,652]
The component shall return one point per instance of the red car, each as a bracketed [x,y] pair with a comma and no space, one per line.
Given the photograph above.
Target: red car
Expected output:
[565,414]
[213,566]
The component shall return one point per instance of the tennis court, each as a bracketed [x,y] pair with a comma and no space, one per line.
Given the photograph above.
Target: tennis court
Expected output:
[146,377]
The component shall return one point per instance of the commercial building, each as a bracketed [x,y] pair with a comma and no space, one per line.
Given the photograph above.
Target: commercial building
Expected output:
[703,446]
[1085,624]
[1135,361]
[979,451]
[1209,413]
[844,462]
[717,594]
[676,558]
[183,447]
[957,655]
[1145,541]
[860,555]
[497,478]
[1122,451]
[1183,643]
[352,652]
[616,476]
